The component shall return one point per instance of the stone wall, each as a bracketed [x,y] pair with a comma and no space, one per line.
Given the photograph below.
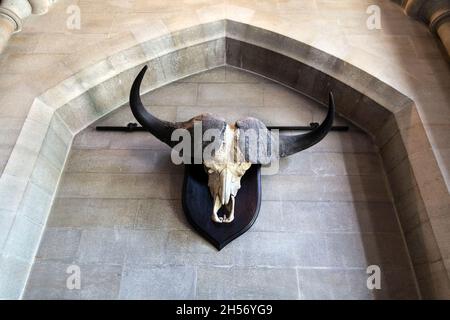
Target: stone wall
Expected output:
[325,216]
[401,55]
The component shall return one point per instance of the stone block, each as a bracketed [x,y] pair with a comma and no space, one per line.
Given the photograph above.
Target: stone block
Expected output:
[10,130]
[57,142]
[35,204]
[276,96]
[438,135]
[306,216]
[157,42]
[246,283]
[12,189]
[13,277]
[415,139]
[179,94]
[266,63]
[45,175]
[393,152]
[123,115]
[154,77]
[330,284]
[352,141]
[324,163]
[121,161]
[85,213]
[128,58]
[345,250]
[411,209]
[108,95]
[6,221]
[101,245]
[23,239]
[436,102]
[191,60]
[118,186]
[279,249]
[59,244]
[198,33]
[117,140]
[433,280]
[422,244]
[235,75]
[78,113]
[387,250]
[270,218]
[234,112]
[326,188]
[397,285]
[352,250]
[100,282]
[214,75]
[48,280]
[26,149]
[28,62]
[386,132]
[426,169]
[189,248]
[63,92]
[20,162]
[164,282]
[146,247]
[65,43]
[40,112]
[441,230]
[370,115]
[230,94]
[401,179]
[161,214]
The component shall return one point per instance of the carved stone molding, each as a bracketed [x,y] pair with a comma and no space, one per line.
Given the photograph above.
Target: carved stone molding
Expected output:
[14,18]
[39,6]
[435,13]
[13,13]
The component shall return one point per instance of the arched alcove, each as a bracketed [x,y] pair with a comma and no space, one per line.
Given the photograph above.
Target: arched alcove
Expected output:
[37,161]
[325,216]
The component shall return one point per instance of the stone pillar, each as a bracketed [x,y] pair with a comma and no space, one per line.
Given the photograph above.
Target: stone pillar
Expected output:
[436,13]
[8,24]
[412,7]
[440,24]
[12,13]
[39,6]
[444,33]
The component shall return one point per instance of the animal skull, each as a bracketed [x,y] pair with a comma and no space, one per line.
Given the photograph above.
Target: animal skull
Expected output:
[225,171]
[232,159]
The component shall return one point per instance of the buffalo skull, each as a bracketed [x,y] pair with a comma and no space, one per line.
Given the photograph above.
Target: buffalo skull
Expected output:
[237,146]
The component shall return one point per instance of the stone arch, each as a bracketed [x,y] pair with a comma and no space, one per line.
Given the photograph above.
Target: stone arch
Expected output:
[32,174]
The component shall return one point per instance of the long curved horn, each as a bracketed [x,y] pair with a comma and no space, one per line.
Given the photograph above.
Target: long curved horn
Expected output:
[160,129]
[293,144]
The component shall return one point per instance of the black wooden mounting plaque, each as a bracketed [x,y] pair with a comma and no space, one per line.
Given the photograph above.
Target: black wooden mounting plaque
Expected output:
[198,205]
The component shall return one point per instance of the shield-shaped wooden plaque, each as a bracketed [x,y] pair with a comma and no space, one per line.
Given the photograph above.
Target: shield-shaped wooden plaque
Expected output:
[198,205]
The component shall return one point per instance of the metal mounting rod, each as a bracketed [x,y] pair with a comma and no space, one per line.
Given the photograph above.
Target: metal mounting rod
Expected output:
[133,127]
